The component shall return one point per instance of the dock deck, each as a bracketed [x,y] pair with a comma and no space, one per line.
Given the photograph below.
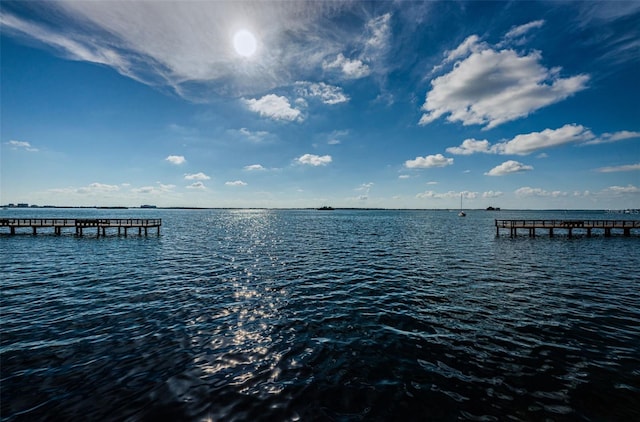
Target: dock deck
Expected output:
[587,226]
[80,224]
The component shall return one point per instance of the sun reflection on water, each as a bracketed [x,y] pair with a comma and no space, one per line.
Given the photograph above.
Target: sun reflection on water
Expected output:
[240,347]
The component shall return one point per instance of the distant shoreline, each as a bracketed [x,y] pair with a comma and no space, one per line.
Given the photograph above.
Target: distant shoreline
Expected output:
[147,207]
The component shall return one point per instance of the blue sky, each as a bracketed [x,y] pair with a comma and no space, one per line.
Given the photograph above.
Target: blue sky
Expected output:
[302,104]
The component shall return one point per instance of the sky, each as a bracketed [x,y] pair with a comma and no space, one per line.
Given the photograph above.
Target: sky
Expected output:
[395,104]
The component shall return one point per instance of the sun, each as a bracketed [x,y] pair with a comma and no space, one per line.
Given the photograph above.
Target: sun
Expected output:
[244,42]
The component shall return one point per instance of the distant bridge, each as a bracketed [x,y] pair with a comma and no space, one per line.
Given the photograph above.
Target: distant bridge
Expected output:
[568,226]
[80,224]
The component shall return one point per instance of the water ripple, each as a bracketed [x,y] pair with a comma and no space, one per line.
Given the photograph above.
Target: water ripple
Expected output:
[301,315]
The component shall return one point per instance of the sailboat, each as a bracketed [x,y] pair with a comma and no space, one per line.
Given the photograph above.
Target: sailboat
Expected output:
[461,213]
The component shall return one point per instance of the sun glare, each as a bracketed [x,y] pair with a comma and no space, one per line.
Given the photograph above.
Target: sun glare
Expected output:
[244,43]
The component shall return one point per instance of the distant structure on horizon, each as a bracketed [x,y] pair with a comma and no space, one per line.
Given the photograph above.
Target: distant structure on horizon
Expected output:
[20,205]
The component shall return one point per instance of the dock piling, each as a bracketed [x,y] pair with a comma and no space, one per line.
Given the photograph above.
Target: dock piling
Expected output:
[79,224]
[626,226]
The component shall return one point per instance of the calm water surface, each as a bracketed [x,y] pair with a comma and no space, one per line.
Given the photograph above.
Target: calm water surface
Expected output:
[239,315]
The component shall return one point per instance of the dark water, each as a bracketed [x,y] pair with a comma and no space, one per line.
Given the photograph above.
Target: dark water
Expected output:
[308,315]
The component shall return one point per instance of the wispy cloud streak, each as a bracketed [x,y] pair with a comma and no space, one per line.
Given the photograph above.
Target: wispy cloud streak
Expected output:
[188,46]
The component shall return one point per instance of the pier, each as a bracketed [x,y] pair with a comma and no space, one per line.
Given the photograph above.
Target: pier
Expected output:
[81,224]
[568,226]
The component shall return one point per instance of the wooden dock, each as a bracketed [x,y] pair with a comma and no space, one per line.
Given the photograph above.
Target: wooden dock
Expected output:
[568,226]
[81,224]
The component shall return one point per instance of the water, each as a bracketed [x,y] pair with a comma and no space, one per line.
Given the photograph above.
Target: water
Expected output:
[306,315]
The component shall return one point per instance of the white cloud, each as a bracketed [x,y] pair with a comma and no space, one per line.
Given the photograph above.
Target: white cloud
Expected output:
[253,136]
[590,11]
[367,52]
[404,176]
[274,107]
[106,194]
[176,159]
[254,167]
[236,183]
[102,187]
[470,146]
[430,161]
[145,190]
[196,176]
[508,167]
[21,145]
[314,160]
[334,137]
[606,138]
[623,189]
[154,190]
[328,94]
[470,44]
[75,49]
[492,194]
[379,31]
[491,87]
[538,192]
[427,195]
[187,46]
[534,141]
[365,188]
[94,188]
[525,144]
[197,185]
[615,47]
[352,69]
[166,187]
[518,31]
[301,102]
[446,195]
[628,167]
